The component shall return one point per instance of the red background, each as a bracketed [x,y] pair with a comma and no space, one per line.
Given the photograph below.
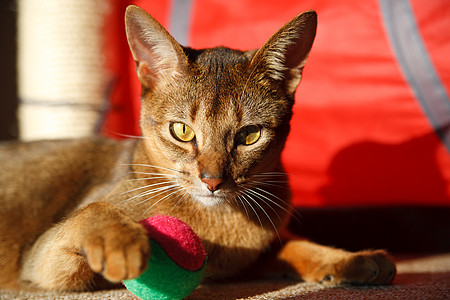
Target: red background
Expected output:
[359,136]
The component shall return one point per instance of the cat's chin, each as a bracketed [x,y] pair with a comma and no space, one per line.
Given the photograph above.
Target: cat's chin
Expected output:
[210,200]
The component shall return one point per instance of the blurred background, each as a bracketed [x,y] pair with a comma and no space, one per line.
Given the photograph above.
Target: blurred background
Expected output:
[8,73]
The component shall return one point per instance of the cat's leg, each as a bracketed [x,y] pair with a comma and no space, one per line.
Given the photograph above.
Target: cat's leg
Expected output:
[97,239]
[317,263]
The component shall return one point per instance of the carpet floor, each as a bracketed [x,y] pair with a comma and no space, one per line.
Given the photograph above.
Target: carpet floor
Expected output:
[419,277]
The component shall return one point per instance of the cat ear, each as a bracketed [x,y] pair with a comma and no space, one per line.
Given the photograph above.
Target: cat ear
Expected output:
[284,55]
[159,58]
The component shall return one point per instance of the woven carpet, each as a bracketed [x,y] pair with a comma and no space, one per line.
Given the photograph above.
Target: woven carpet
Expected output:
[421,277]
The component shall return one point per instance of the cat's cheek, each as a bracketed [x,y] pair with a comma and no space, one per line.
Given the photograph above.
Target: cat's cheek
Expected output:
[245,163]
[157,153]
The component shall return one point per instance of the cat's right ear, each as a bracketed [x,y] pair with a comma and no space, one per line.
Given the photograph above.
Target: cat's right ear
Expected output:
[158,57]
[284,55]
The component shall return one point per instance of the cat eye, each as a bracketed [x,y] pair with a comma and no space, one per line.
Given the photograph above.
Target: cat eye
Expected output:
[249,135]
[182,132]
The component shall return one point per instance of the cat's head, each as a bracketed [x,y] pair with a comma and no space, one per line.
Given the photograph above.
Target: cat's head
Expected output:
[218,116]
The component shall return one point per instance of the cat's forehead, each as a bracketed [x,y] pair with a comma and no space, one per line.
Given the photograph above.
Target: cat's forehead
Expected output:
[229,89]
[211,107]
[235,106]
[217,60]
[214,83]
[220,89]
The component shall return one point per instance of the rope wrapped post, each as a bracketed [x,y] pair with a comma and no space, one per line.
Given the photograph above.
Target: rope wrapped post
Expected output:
[62,80]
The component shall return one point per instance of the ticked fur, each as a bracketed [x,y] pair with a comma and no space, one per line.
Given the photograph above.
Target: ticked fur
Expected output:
[69,208]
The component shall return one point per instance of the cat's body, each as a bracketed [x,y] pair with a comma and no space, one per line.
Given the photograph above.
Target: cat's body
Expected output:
[214,123]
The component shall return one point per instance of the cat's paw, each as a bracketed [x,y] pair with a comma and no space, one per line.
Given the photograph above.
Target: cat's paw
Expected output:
[362,268]
[118,251]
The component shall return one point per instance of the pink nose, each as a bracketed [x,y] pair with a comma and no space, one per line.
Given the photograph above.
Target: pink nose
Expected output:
[212,183]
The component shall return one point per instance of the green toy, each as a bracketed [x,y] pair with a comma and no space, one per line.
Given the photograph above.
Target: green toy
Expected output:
[176,264]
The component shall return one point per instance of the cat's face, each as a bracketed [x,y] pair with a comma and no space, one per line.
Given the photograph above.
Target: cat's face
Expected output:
[216,125]
[219,117]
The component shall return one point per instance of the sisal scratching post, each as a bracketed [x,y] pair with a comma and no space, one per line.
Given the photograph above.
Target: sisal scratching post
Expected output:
[61,65]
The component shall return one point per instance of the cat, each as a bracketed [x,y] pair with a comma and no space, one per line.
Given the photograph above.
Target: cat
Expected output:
[214,123]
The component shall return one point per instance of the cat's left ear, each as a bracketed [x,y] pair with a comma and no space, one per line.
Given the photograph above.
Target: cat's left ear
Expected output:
[284,55]
[159,58]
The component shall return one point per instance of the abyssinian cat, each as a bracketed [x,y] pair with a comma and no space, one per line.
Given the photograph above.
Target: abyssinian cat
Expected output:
[214,123]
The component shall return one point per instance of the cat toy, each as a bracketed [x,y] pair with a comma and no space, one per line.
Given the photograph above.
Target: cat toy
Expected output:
[176,263]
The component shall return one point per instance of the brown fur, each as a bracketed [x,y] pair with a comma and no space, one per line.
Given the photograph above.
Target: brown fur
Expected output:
[69,208]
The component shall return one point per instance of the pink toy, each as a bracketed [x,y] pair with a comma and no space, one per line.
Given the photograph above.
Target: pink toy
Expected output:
[176,264]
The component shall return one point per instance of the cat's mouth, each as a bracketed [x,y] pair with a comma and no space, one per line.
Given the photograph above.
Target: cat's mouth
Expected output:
[210,199]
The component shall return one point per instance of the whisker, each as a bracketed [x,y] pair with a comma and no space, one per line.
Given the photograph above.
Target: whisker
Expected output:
[153,166]
[272,195]
[263,199]
[157,174]
[131,136]
[197,207]
[276,181]
[183,197]
[176,188]
[271,184]
[144,187]
[155,191]
[149,178]
[269,174]
[268,217]
[253,209]
[289,212]
[243,205]
[148,192]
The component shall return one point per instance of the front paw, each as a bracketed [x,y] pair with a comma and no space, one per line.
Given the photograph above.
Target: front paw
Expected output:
[362,268]
[115,246]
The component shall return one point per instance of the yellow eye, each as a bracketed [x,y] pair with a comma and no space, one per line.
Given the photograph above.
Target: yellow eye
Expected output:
[182,132]
[251,134]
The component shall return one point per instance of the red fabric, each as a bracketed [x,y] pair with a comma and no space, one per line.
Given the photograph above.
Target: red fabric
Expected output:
[359,135]
[179,241]
[122,118]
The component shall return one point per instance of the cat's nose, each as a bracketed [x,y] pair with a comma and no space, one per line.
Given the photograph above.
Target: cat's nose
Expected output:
[212,183]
